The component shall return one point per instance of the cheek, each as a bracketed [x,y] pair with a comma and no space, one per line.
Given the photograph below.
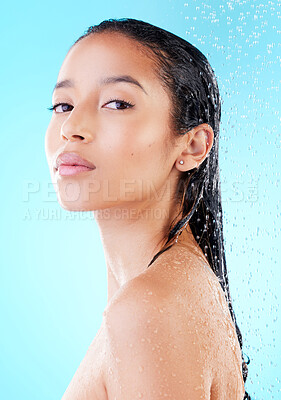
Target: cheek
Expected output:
[137,150]
[146,146]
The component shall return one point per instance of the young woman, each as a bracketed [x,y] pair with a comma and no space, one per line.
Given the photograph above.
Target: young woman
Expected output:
[134,137]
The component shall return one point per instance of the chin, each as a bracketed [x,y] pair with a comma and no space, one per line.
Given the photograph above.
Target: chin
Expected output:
[75,195]
[72,205]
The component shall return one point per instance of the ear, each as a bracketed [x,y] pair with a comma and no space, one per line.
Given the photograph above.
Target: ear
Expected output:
[196,145]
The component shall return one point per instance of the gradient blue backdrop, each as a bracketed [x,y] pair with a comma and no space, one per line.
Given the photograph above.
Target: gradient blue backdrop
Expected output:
[53,274]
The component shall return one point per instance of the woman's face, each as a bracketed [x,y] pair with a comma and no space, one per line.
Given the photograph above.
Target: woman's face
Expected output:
[126,142]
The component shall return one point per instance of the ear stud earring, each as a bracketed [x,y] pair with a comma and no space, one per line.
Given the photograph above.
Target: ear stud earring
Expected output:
[181,161]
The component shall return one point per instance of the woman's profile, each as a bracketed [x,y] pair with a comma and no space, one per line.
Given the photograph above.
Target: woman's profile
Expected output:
[134,138]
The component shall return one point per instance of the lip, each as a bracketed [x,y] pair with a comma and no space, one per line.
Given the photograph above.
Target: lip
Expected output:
[71,163]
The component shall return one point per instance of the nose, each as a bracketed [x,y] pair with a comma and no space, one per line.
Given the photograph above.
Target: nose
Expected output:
[78,126]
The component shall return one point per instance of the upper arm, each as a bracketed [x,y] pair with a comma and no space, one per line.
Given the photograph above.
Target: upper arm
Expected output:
[154,351]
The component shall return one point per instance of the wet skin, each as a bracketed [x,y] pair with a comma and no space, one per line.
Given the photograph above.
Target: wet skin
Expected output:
[136,172]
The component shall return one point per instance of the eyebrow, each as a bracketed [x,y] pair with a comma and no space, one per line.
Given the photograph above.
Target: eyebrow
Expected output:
[67,83]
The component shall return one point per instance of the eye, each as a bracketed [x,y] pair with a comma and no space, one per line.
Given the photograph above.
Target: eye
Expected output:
[60,108]
[120,104]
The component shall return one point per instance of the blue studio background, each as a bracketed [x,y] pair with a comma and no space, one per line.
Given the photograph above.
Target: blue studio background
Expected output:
[52,299]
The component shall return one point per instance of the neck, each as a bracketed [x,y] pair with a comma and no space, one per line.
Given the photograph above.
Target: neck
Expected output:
[131,237]
[131,240]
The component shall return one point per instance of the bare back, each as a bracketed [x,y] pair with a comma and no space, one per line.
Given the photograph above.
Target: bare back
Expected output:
[178,273]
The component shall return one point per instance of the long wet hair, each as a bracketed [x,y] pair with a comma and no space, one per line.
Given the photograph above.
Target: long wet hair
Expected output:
[192,86]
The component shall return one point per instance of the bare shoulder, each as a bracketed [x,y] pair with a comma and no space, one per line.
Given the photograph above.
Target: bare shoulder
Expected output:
[166,335]
[151,354]
[159,345]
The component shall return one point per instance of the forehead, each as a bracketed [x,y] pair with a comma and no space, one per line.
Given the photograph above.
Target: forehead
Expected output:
[107,54]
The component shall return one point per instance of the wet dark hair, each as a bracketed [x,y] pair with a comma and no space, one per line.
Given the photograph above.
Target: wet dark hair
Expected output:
[191,83]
